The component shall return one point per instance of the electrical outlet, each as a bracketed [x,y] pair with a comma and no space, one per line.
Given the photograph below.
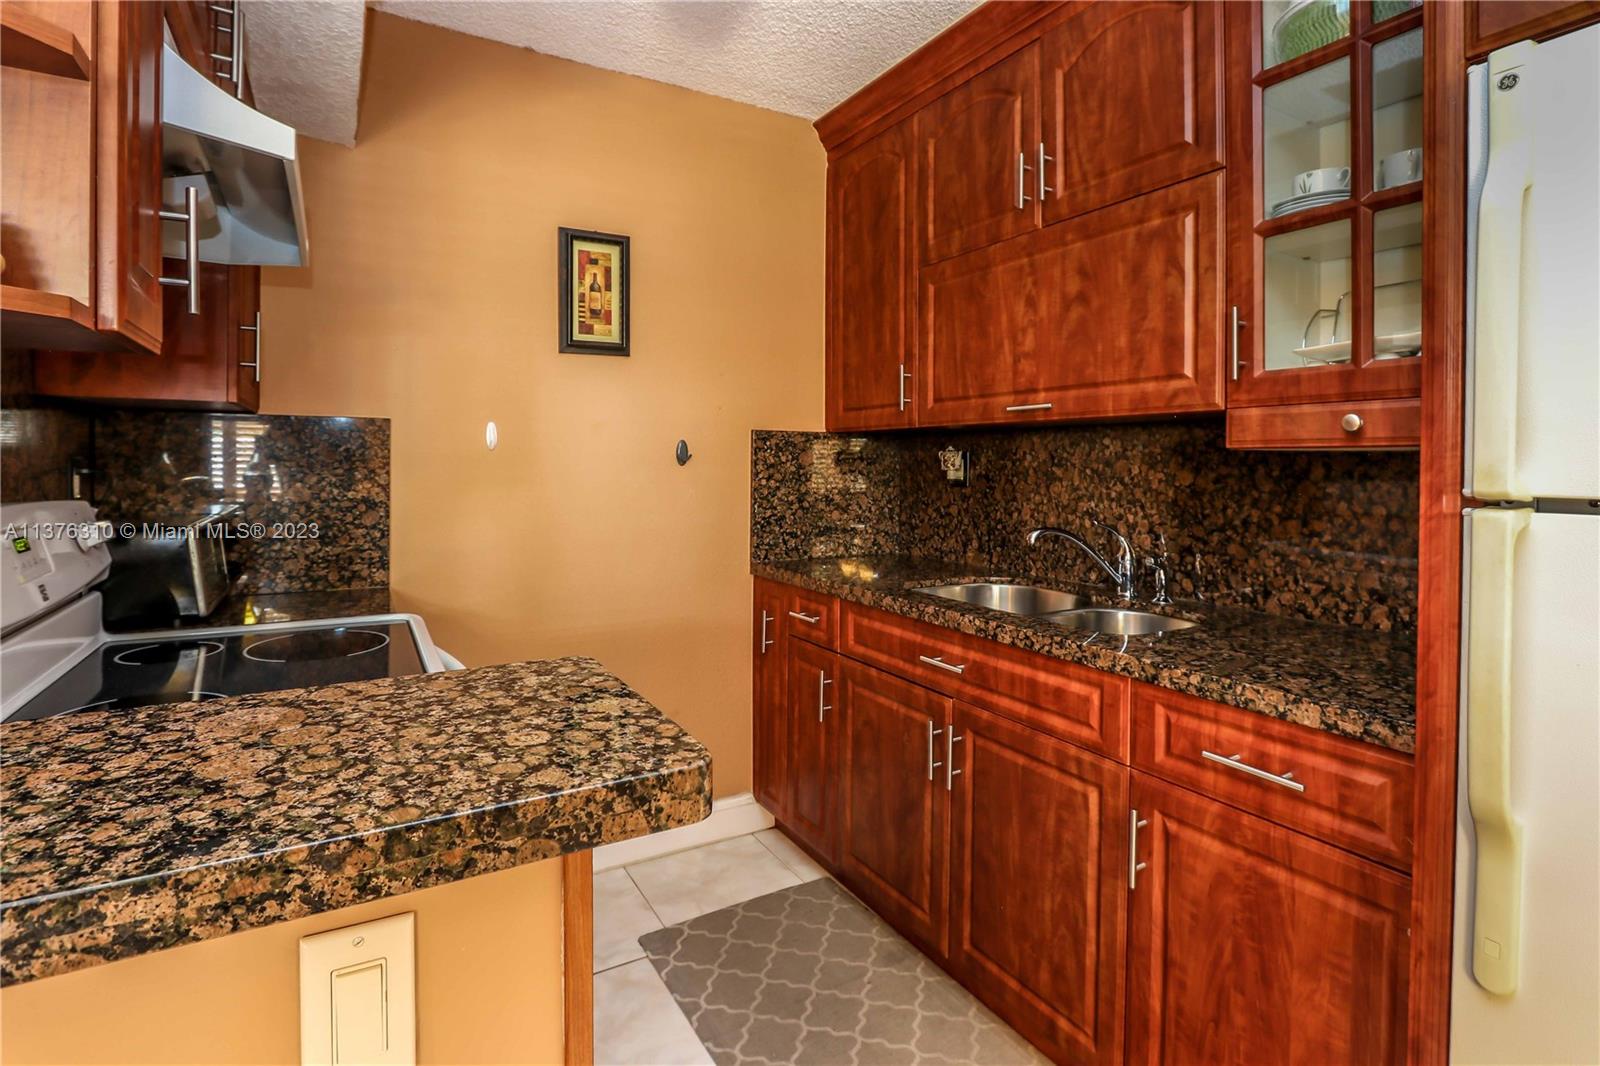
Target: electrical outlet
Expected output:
[956,464]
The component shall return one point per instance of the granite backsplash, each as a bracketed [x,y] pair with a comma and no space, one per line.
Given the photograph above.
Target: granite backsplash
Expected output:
[39,444]
[1322,536]
[315,491]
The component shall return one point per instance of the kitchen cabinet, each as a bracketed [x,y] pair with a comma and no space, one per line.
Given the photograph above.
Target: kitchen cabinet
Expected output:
[211,360]
[1178,910]
[871,279]
[977,149]
[1493,24]
[1132,102]
[1325,262]
[1112,313]
[810,682]
[895,808]
[1251,943]
[82,187]
[769,742]
[1038,885]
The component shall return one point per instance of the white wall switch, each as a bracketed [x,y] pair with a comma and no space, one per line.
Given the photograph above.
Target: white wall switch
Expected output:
[358,994]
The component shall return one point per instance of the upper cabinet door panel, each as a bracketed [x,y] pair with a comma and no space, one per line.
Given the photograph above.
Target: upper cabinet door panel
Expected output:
[871,282]
[978,149]
[1117,312]
[128,194]
[1132,101]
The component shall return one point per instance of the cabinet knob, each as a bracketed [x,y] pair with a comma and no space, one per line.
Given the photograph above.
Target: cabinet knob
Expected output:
[1352,422]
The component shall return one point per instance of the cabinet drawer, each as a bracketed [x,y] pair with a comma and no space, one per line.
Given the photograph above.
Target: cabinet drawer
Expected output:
[811,616]
[1349,793]
[1087,707]
[1372,424]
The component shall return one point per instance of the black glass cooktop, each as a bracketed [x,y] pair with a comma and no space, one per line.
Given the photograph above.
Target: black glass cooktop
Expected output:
[135,673]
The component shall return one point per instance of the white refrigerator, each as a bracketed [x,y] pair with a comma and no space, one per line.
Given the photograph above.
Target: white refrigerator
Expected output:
[1526,972]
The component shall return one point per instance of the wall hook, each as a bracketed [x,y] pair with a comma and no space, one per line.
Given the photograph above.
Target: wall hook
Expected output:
[682,452]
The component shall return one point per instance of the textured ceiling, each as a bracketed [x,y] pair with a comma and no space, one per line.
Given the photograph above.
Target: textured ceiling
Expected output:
[800,57]
[303,61]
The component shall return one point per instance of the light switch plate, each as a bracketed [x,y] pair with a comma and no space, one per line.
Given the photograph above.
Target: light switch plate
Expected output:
[358,994]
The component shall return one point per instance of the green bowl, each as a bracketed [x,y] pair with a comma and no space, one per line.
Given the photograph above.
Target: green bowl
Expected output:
[1310,24]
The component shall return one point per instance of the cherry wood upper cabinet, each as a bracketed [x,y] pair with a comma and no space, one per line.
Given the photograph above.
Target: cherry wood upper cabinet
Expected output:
[1038,886]
[811,682]
[892,836]
[128,188]
[1132,98]
[872,263]
[977,150]
[1494,24]
[769,742]
[1114,313]
[1249,943]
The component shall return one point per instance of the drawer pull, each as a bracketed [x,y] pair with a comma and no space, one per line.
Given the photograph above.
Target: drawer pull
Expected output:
[1030,407]
[1233,762]
[938,660]
[808,619]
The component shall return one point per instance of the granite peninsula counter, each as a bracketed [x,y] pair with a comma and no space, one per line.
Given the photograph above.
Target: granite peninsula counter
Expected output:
[131,831]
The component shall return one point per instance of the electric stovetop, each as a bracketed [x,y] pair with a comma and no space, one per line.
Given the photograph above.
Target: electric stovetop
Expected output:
[138,672]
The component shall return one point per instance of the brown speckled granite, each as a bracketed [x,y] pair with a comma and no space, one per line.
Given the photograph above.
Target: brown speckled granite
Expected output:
[1319,536]
[39,443]
[1355,682]
[334,472]
[132,831]
[259,608]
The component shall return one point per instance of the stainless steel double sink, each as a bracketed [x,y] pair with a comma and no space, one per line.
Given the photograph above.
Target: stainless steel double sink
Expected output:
[1058,608]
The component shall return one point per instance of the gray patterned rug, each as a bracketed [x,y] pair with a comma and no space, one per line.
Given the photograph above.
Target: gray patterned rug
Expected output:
[809,975]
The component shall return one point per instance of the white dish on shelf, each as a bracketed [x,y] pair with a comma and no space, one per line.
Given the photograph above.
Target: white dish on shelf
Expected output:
[1307,201]
[1392,346]
[1332,352]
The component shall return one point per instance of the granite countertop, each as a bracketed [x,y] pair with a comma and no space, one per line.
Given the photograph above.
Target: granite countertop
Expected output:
[135,830]
[1358,683]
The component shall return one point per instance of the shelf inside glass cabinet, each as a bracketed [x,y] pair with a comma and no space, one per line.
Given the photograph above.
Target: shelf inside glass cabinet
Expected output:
[1307,297]
[1397,110]
[1306,140]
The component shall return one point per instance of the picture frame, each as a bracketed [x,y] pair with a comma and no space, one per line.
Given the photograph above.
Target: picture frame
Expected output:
[593,291]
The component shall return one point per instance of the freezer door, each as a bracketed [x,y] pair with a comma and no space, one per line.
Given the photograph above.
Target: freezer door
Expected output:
[1526,979]
[1534,419]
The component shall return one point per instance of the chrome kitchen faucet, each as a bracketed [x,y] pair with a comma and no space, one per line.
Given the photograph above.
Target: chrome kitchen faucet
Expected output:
[1121,573]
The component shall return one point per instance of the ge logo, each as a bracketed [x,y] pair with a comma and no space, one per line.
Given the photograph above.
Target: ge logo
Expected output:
[1508,82]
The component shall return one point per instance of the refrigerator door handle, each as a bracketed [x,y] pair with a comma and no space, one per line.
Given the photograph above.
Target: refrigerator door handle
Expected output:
[1498,322]
[1497,874]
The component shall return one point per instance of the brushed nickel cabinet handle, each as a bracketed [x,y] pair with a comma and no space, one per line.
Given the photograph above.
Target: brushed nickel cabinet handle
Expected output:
[932,732]
[255,364]
[822,690]
[1030,407]
[1022,180]
[809,619]
[938,660]
[1233,762]
[1043,159]
[1135,823]
[950,771]
[1233,327]
[766,643]
[190,217]
[1352,422]
[905,376]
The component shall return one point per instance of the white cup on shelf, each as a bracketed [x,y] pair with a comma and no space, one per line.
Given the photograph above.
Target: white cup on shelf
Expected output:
[1401,168]
[1326,179]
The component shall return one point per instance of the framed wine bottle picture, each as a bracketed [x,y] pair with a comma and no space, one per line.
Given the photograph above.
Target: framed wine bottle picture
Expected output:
[592,269]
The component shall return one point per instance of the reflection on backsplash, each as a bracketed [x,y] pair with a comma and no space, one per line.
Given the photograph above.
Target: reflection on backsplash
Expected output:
[1323,536]
[291,476]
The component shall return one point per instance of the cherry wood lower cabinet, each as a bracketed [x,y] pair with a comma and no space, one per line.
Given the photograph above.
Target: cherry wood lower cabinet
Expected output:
[895,809]
[1249,943]
[1038,883]
[811,682]
[769,744]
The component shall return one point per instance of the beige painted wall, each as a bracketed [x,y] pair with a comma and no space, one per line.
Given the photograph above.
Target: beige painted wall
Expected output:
[488,987]
[431,301]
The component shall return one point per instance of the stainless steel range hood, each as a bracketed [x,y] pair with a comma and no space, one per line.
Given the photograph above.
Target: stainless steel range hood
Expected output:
[244,166]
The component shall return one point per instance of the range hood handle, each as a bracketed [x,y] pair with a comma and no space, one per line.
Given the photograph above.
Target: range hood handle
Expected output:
[190,217]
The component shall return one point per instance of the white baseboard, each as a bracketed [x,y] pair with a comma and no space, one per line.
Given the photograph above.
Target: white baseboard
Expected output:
[731,816]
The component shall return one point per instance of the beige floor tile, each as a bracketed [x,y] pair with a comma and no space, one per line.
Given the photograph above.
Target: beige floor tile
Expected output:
[691,883]
[637,1022]
[621,916]
[789,853]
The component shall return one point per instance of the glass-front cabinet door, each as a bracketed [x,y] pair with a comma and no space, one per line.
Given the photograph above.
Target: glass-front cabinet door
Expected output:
[1325,171]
